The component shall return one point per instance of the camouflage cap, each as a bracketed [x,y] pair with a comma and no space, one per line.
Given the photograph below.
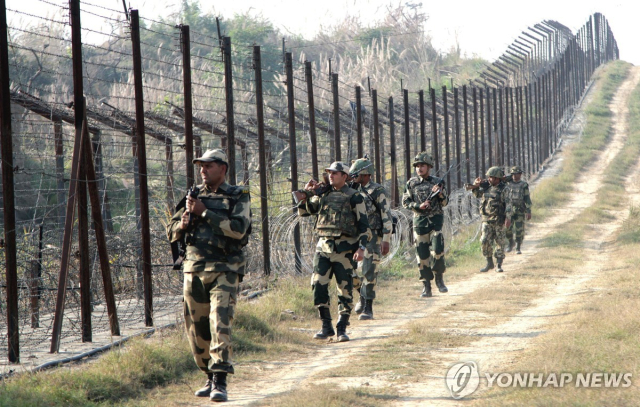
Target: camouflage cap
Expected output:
[515,170]
[423,158]
[361,166]
[338,166]
[495,172]
[211,156]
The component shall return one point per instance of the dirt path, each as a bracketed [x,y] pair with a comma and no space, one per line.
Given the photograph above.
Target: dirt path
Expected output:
[496,347]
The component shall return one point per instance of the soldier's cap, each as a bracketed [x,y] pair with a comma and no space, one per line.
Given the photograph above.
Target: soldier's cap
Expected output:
[212,156]
[338,166]
[516,170]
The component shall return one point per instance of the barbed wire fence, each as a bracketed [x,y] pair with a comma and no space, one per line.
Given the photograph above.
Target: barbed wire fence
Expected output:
[150,112]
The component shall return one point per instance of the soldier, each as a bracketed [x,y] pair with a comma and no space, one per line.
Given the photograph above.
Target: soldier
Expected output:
[216,225]
[425,195]
[494,212]
[343,231]
[517,194]
[378,215]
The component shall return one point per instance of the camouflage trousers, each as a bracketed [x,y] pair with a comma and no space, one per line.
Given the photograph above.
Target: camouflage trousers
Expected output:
[492,233]
[327,265]
[429,253]
[209,303]
[370,268]
[517,226]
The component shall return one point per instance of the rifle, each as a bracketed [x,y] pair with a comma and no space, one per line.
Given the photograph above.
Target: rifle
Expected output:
[320,189]
[440,183]
[179,247]
[484,183]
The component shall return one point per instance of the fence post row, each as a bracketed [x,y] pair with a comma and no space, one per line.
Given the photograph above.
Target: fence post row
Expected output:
[541,82]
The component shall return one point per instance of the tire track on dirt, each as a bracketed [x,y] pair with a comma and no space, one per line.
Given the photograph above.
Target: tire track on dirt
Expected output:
[500,344]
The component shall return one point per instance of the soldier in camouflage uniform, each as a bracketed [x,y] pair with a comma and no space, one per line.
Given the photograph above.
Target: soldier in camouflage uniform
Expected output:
[216,225]
[379,216]
[428,219]
[343,231]
[494,212]
[519,200]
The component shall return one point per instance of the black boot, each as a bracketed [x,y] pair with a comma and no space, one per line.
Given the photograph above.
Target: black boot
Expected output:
[510,246]
[327,330]
[368,310]
[518,247]
[499,269]
[360,305]
[440,283]
[341,327]
[426,291]
[206,390]
[219,390]
[489,265]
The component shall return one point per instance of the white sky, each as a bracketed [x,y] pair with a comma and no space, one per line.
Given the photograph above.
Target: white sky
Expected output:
[484,28]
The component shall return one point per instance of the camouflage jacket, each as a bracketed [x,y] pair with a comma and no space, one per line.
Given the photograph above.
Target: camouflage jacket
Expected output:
[317,206]
[416,191]
[218,232]
[493,207]
[379,217]
[518,198]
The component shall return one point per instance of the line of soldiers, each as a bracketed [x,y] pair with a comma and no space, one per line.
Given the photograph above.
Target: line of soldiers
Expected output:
[353,222]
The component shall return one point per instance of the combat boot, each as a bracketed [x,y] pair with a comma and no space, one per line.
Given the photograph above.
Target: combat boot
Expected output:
[368,310]
[206,390]
[440,283]
[518,247]
[341,327]
[327,329]
[499,269]
[510,246]
[360,305]
[219,390]
[426,291]
[489,265]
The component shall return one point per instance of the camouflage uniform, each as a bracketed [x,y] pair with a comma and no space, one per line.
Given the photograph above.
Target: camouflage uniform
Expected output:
[518,200]
[342,228]
[427,224]
[381,227]
[213,268]
[494,211]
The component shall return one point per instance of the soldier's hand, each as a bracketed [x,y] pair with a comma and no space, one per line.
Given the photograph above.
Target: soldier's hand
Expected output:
[477,181]
[527,216]
[311,185]
[184,220]
[507,223]
[384,248]
[358,255]
[195,206]
[425,205]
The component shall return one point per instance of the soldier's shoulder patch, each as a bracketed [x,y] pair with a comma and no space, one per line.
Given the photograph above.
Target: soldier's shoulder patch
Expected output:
[239,189]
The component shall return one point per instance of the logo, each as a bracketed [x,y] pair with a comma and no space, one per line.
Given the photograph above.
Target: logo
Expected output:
[462,379]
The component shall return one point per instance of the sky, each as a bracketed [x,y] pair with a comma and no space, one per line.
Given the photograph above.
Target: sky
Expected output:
[483,28]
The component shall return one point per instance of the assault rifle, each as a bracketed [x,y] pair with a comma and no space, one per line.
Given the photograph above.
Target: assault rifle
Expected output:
[179,247]
[440,184]
[484,184]
[320,189]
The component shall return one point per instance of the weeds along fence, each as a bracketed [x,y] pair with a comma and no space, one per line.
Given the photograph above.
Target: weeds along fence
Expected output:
[107,127]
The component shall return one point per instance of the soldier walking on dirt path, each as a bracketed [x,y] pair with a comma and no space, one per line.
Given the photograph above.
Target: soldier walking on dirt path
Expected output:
[215,226]
[426,195]
[379,217]
[343,231]
[519,200]
[495,216]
